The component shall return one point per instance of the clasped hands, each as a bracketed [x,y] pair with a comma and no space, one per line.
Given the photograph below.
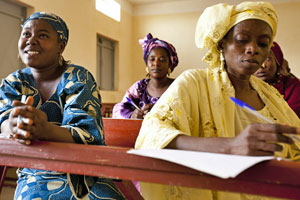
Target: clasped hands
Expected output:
[26,123]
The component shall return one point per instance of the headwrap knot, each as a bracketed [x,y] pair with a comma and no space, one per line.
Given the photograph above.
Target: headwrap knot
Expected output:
[149,43]
[277,53]
[55,21]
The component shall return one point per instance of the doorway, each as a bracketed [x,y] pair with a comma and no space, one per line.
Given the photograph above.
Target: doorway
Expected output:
[11,17]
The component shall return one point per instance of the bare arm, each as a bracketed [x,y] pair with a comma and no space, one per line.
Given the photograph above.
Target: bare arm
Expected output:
[213,145]
[255,140]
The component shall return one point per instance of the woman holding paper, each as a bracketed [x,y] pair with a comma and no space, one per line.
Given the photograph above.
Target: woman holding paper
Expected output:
[63,104]
[196,112]
[160,58]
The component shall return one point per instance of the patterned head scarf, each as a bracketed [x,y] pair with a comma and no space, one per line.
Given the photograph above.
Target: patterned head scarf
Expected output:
[55,21]
[217,20]
[277,53]
[149,43]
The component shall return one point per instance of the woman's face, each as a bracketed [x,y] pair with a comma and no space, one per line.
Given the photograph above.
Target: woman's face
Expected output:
[269,71]
[246,46]
[38,45]
[158,63]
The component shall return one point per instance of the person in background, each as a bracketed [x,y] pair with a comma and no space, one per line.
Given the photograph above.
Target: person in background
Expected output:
[63,105]
[285,68]
[276,72]
[196,112]
[160,58]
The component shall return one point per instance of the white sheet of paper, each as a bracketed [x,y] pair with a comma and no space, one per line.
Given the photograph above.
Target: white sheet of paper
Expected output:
[220,165]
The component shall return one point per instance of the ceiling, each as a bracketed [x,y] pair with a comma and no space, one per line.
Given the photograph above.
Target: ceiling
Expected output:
[156,7]
[144,2]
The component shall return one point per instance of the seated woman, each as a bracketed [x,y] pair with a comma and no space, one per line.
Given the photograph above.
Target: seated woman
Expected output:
[63,104]
[161,59]
[286,83]
[196,112]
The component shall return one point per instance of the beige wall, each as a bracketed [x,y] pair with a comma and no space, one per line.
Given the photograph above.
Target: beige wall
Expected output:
[179,29]
[288,34]
[84,23]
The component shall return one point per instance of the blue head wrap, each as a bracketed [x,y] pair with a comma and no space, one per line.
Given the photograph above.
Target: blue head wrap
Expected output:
[55,21]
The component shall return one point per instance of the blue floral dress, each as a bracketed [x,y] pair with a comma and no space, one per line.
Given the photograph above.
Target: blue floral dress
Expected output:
[74,105]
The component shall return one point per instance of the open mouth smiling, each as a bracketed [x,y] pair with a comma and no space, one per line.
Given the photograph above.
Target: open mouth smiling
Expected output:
[31,52]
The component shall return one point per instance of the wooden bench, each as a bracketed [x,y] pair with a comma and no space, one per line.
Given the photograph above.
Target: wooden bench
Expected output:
[118,132]
[271,178]
[121,132]
[106,109]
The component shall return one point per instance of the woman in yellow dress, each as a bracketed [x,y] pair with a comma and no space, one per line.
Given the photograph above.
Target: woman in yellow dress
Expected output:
[196,112]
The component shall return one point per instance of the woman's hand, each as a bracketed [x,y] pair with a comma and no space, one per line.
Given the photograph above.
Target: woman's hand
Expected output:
[261,139]
[140,114]
[27,123]
[12,126]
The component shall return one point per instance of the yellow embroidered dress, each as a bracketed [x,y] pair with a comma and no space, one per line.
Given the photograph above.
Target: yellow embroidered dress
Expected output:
[198,104]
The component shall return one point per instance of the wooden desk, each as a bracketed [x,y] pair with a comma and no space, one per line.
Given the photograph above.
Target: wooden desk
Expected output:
[271,178]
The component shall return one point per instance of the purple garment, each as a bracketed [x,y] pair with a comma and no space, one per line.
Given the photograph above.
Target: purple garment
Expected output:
[289,87]
[139,95]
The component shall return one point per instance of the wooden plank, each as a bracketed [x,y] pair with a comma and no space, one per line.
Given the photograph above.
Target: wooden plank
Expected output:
[121,132]
[272,178]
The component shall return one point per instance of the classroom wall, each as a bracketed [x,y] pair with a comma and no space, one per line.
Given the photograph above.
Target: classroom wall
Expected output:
[288,34]
[179,29]
[84,23]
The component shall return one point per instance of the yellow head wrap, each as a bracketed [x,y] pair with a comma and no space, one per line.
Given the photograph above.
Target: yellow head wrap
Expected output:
[217,20]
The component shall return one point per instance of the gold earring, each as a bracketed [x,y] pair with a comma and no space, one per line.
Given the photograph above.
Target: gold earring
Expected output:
[222,59]
[60,60]
[169,71]
[147,71]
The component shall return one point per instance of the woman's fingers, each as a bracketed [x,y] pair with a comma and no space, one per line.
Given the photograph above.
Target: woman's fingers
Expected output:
[25,142]
[274,137]
[21,134]
[277,128]
[265,146]
[263,139]
[273,132]
[29,100]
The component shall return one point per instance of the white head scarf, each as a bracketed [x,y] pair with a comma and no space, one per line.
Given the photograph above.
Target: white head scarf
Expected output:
[217,20]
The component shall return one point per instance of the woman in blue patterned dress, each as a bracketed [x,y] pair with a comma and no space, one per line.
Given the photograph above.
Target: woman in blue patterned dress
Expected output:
[160,58]
[63,105]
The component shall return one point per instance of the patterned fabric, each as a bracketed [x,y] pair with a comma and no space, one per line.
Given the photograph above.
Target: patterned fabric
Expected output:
[217,20]
[149,43]
[197,104]
[277,53]
[55,21]
[138,95]
[75,105]
[289,87]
